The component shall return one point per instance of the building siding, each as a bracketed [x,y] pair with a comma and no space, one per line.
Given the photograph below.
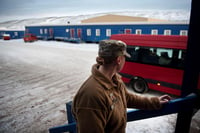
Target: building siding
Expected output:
[64,31]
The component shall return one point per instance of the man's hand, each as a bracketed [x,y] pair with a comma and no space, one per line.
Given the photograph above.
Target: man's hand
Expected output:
[164,99]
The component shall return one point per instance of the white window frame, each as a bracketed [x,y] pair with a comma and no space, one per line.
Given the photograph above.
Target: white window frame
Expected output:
[41,31]
[183,32]
[89,33]
[108,32]
[125,31]
[138,31]
[98,32]
[16,33]
[45,31]
[167,32]
[154,32]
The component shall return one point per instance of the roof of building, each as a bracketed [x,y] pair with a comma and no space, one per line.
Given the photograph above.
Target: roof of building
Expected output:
[119,18]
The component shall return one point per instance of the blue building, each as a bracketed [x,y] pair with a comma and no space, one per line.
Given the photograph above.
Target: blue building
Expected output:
[14,34]
[97,32]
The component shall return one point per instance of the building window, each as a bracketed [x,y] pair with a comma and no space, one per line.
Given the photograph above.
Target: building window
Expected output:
[16,33]
[138,31]
[108,32]
[183,32]
[98,32]
[45,31]
[154,32]
[88,32]
[128,31]
[41,31]
[67,30]
[167,32]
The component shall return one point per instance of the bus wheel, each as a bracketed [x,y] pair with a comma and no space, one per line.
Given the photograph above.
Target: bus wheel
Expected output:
[139,85]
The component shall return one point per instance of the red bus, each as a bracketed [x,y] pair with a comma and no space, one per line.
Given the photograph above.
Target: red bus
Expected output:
[156,62]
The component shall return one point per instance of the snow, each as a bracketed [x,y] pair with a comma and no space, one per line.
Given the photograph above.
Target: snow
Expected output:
[38,79]
[169,15]
[162,124]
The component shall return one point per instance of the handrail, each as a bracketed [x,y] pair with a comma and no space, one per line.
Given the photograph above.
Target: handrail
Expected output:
[174,106]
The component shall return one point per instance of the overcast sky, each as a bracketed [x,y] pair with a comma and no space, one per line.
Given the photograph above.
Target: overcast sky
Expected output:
[18,9]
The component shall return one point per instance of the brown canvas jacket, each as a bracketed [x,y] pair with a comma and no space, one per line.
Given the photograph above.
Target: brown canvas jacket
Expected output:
[100,105]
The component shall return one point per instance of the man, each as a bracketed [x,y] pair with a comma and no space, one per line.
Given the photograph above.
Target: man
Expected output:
[100,104]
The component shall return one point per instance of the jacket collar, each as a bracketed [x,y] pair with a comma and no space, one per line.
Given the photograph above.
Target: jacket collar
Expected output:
[103,80]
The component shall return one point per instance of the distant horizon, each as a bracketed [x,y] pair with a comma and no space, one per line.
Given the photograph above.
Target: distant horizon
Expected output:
[22,9]
[169,15]
[3,20]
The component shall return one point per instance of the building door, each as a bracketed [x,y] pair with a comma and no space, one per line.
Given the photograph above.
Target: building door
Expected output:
[51,33]
[79,33]
[72,33]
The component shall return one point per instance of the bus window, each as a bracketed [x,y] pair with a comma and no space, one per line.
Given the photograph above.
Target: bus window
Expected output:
[144,55]
[134,54]
[178,58]
[165,56]
[157,56]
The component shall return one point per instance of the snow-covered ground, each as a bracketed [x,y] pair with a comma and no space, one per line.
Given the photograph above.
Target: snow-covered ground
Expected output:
[169,15]
[38,79]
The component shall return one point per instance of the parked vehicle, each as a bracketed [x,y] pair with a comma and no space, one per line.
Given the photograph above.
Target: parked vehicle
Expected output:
[6,36]
[30,38]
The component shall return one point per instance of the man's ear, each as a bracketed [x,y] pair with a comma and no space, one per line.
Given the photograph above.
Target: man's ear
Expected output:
[118,60]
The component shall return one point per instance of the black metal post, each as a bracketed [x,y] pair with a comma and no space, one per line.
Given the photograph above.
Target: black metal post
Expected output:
[191,73]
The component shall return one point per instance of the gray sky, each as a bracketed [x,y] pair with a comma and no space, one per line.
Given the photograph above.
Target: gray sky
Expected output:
[18,9]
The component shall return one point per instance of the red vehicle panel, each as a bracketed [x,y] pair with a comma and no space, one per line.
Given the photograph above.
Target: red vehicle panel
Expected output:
[6,37]
[161,79]
[162,41]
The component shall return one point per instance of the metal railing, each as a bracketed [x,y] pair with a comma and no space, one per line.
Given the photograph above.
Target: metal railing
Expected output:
[174,106]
